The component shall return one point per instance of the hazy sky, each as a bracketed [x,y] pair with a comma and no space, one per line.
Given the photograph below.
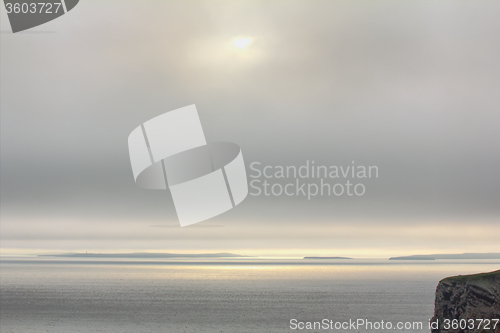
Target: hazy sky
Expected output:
[411,87]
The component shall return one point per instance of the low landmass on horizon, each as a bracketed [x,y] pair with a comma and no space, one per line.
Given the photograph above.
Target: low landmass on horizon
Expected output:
[327,258]
[144,255]
[149,255]
[449,256]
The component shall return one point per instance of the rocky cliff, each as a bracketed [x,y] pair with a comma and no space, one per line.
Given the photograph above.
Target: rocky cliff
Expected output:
[461,301]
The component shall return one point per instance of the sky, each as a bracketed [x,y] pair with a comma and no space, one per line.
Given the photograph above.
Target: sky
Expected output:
[410,87]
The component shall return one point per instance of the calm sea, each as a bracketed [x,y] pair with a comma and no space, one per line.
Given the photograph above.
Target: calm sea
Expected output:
[58,295]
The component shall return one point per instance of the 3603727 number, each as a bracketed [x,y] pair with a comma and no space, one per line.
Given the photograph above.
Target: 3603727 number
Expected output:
[33,7]
[485,324]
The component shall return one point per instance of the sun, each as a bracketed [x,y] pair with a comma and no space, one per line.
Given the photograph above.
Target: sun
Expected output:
[241,42]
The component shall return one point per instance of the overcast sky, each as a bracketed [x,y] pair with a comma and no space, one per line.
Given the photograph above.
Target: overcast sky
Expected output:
[411,87]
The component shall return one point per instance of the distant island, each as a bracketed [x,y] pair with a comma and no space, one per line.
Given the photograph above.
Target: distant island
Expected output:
[450,256]
[143,255]
[327,258]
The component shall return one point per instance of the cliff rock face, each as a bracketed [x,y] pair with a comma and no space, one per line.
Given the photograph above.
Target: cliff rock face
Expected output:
[462,298]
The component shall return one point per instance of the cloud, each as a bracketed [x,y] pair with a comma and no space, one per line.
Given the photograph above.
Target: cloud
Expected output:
[410,87]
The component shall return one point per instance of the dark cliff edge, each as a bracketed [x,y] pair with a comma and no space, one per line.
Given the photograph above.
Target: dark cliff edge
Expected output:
[462,298]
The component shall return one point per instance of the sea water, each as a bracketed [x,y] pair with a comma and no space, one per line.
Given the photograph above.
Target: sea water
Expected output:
[61,295]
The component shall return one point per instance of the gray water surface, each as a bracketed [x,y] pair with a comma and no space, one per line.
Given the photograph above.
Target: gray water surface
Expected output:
[219,296]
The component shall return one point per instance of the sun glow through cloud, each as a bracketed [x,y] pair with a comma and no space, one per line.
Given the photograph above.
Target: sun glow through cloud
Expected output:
[241,42]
